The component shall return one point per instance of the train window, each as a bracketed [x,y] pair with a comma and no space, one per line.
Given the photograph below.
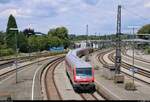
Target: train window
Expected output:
[84,72]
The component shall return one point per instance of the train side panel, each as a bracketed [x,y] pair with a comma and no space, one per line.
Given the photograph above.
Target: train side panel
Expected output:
[69,70]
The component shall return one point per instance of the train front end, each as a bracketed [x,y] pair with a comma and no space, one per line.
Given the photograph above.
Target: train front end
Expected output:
[84,78]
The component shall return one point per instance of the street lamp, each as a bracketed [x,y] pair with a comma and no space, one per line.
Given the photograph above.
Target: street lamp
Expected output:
[87,35]
[38,56]
[15,29]
[99,40]
[134,37]
[29,45]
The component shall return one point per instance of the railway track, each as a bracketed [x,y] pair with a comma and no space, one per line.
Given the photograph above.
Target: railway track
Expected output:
[4,63]
[89,97]
[9,61]
[93,96]
[25,57]
[19,58]
[125,65]
[50,89]
[143,60]
[101,55]
[10,72]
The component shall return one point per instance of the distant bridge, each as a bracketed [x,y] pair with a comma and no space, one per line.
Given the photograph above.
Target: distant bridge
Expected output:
[102,43]
[126,40]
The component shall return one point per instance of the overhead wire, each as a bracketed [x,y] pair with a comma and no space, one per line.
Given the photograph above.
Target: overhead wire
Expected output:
[101,2]
[114,6]
[135,14]
[115,9]
[131,12]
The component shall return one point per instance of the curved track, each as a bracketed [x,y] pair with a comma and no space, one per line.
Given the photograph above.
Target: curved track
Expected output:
[143,60]
[10,72]
[125,65]
[9,61]
[50,89]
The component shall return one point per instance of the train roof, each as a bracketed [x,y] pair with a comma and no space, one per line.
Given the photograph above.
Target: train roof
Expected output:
[75,60]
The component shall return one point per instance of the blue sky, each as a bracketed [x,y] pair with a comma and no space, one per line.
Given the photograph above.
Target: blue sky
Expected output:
[100,15]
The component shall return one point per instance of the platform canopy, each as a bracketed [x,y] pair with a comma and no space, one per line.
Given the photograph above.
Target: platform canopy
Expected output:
[137,40]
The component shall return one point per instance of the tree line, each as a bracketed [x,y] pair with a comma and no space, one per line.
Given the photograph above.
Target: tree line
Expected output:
[102,37]
[143,30]
[27,41]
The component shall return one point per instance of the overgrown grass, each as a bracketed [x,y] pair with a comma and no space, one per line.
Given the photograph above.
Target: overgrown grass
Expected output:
[9,55]
[56,53]
[6,52]
[147,50]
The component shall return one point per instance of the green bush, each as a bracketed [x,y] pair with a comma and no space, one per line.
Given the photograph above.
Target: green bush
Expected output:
[6,52]
[96,67]
[147,51]
[130,86]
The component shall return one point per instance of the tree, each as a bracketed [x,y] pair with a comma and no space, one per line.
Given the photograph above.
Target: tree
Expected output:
[52,32]
[54,41]
[38,43]
[2,38]
[32,41]
[62,33]
[4,50]
[59,34]
[22,42]
[144,30]
[10,35]
[72,36]
[42,42]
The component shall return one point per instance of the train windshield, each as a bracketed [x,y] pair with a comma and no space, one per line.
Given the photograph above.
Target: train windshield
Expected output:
[84,71]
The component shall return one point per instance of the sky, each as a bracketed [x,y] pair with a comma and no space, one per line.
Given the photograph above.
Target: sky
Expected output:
[100,15]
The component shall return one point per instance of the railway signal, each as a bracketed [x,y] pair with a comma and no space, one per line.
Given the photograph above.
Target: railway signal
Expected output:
[87,35]
[133,70]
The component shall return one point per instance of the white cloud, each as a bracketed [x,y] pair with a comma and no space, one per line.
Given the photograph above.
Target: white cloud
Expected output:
[62,10]
[147,5]
[16,12]
[99,14]
[8,12]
